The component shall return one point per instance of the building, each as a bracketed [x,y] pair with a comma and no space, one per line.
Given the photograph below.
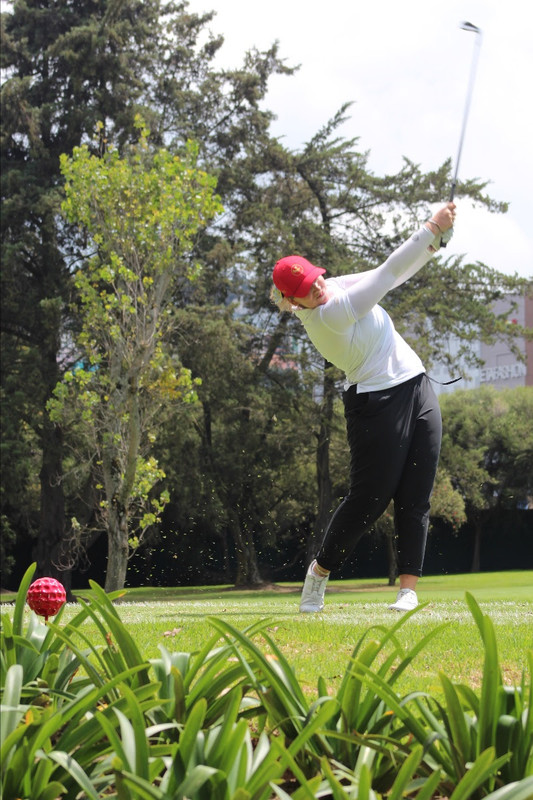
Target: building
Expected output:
[500,367]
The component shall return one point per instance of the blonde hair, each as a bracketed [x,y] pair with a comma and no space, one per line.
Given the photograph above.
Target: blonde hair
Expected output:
[283,303]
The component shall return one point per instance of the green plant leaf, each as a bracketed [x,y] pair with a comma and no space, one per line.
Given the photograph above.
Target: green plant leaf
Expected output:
[459,730]
[476,613]
[338,792]
[10,742]
[405,774]
[237,760]
[484,767]
[12,711]
[489,710]
[283,697]
[198,778]
[518,790]
[41,772]
[138,732]
[265,766]
[8,654]
[469,696]
[226,742]
[402,711]
[190,731]
[20,600]
[143,789]
[289,762]
[123,640]
[428,790]
[52,791]
[71,766]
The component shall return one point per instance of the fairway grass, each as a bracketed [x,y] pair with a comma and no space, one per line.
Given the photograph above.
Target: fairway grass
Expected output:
[321,644]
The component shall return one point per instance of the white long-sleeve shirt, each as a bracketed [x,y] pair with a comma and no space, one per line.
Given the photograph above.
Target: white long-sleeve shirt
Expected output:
[353,332]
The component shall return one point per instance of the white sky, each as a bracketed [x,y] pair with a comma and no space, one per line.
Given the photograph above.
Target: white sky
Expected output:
[406,66]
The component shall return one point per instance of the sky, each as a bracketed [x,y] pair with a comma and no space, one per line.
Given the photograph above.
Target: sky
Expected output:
[406,67]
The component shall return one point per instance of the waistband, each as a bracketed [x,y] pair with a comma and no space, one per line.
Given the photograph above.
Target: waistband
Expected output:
[414,380]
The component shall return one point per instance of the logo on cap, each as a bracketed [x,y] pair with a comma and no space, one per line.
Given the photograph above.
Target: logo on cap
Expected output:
[297,269]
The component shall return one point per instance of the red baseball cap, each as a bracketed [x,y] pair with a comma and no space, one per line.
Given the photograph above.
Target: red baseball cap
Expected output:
[294,275]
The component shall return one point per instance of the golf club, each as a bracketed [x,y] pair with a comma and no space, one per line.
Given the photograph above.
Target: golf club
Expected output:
[467,26]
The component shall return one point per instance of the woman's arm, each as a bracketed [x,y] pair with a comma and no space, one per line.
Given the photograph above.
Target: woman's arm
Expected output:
[400,265]
[443,218]
[347,281]
[363,294]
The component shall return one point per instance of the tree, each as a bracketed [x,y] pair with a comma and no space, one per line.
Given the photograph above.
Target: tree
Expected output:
[510,454]
[66,67]
[142,213]
[488,451]
[249,461]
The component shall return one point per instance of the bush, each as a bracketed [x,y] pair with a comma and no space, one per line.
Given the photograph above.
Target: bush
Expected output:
[93,719]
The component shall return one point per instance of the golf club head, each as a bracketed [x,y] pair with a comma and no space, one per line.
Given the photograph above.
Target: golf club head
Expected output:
[467,26]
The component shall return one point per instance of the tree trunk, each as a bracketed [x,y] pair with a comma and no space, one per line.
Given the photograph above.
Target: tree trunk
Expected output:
[322,465]
[247,569]
[117,549]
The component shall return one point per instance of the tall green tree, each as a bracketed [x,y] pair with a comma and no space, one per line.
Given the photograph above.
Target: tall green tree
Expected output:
[64,67]
[141,212]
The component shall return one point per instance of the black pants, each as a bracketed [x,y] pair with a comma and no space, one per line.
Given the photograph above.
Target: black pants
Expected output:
[394,437]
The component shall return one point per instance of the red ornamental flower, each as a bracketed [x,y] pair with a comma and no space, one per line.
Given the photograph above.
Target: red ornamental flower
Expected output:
[46,596]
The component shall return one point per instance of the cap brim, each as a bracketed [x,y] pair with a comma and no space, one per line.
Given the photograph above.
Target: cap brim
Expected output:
[308,281]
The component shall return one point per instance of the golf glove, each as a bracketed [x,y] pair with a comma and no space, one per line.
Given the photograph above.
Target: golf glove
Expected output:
[445,237]
[441,240]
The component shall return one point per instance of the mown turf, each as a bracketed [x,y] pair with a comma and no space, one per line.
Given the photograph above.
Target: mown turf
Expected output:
[321,644]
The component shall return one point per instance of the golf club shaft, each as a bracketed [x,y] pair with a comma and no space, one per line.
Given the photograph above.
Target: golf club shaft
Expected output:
[469,27]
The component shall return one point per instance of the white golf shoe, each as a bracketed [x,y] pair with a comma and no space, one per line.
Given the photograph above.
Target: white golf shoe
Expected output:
[406,600]
[312,599]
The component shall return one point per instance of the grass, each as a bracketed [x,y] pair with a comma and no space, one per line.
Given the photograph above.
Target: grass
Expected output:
[320,645]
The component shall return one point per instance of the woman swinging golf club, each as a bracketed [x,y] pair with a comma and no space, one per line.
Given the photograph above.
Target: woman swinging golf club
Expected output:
[392,413]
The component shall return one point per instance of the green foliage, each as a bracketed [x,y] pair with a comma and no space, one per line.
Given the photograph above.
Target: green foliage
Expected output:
[231,721]
[447,503]
[470,739]
[241,445]
[64,67]
[487,445]
[142,212]
[64,70]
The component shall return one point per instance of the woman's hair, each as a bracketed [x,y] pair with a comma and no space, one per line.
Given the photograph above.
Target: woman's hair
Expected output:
[283,303]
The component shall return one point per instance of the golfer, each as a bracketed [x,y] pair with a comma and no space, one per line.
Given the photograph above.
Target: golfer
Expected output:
[392,413]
